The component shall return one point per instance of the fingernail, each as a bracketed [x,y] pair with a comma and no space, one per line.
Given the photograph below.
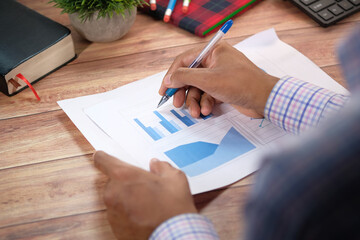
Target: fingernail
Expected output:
[167,80]
[154,160]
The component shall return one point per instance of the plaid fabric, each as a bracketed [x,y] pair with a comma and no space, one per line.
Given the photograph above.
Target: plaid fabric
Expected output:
[203,16]
[185,226]
[296,106]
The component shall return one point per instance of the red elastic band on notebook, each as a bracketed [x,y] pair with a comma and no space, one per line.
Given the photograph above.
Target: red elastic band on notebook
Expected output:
[28,83]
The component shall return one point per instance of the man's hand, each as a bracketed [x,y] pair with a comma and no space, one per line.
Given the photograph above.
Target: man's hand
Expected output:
[138,201]
[226,75]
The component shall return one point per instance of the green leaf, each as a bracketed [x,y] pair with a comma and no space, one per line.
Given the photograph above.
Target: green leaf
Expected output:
[106,8]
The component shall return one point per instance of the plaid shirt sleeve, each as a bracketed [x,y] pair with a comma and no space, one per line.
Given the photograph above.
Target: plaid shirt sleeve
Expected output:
[296,106]
[185,226]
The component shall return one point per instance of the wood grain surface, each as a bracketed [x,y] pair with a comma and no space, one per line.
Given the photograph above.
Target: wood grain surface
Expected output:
[49,186]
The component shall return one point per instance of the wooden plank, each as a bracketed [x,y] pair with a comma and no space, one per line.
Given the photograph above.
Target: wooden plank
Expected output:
[66,199]
[68,187]
[335,73]
[84,226]
[40,138]
[50,190]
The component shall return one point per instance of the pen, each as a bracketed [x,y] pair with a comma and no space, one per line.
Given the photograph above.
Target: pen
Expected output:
[185,6]
[169,10]
[153,5]
[171,91]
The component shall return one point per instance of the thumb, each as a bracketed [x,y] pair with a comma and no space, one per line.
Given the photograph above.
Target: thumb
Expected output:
[161,168]
[205,79]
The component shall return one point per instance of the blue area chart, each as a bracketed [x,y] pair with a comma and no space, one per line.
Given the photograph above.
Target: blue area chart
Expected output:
[170,127]
[199,157]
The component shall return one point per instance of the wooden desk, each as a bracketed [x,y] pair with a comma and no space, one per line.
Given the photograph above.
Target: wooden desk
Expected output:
[49,187]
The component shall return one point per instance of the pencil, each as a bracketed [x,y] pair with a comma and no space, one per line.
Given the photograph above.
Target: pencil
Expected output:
[169,10]
[153,5]
[185,7]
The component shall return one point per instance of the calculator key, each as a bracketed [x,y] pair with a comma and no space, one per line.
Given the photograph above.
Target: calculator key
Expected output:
[336,10]
[355,2]
[318,6]
[326,15]
[345,5]
[307,2]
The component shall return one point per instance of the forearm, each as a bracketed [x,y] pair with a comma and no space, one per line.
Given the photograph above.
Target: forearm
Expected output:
[185,226]
[295,105]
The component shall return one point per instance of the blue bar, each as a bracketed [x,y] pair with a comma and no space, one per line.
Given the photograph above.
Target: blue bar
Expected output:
[188,115]
[187,121]
[165,123]
[152,133]
[175,125]
[159,132]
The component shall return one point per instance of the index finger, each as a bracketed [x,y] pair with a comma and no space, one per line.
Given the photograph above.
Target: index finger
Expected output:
[112,166]
[183,60]
[105,162]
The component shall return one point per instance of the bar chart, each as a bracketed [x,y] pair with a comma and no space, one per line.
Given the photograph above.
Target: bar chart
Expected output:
[171,121]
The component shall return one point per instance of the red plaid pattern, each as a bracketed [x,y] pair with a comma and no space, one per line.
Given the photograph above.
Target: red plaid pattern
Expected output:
[203,16]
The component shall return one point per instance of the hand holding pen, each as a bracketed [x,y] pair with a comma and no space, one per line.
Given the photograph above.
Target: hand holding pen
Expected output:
[226,75]
[208,48]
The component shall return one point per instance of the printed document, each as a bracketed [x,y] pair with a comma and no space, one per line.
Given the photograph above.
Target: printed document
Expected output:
[213,151]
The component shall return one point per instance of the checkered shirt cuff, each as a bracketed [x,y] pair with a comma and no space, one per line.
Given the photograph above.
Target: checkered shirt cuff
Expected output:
[296,106]
[185,226]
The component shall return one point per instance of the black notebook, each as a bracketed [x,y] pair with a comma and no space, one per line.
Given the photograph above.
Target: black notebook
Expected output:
[31,45]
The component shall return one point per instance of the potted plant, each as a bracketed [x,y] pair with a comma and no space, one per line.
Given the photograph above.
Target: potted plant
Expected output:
[100,20]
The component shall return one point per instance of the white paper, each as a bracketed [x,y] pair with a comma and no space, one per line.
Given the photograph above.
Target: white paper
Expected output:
[215,151]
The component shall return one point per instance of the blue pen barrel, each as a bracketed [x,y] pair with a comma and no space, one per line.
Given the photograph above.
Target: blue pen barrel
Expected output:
[171,91]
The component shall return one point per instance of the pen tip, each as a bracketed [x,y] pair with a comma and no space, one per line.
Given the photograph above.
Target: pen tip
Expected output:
[153,6]
[185,9]
[160,103]
[163,100]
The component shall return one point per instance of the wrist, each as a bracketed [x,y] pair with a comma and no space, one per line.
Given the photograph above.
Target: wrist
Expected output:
[263,93]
